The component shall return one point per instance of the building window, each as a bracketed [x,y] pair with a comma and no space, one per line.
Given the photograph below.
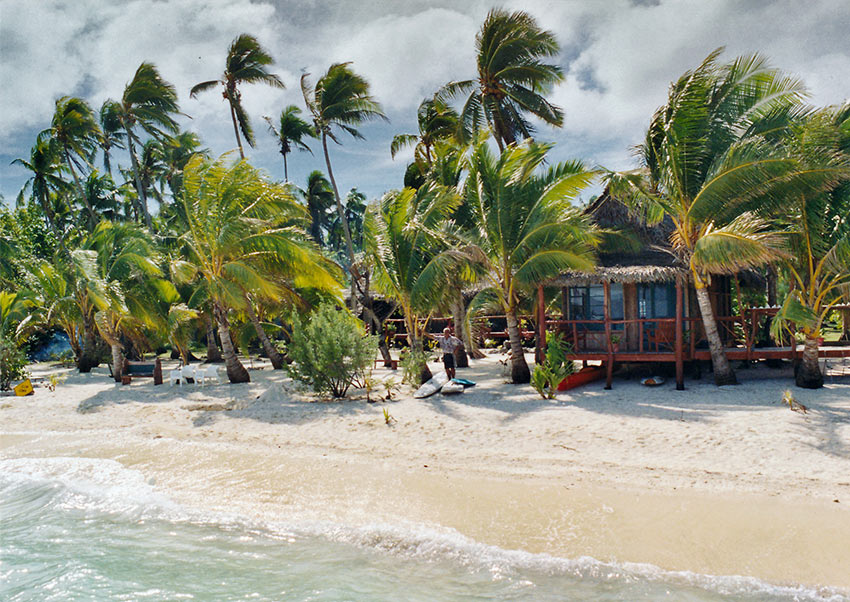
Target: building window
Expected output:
[588,303]
[656,300]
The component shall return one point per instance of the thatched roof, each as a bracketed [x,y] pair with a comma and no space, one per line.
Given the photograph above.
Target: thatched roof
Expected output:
[648,256]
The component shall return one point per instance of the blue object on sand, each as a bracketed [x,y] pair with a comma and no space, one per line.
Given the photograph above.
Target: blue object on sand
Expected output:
[464,382]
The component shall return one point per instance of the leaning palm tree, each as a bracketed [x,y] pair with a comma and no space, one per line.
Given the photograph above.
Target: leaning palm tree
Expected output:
[44,183]
[818,220]
[404,243]
[245,238]
[290,133]
[340,99]
[118,264]
[148,103]
[513,78]
[246,64]
[76,133]
[437,121]
[526,229]
[709,167]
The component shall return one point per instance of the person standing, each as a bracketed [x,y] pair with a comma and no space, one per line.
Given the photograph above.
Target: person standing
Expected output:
[448,343]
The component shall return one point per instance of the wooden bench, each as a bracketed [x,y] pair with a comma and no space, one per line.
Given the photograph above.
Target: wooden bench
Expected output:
[133,370]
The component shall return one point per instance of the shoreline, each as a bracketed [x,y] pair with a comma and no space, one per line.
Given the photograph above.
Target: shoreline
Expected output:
[506,478]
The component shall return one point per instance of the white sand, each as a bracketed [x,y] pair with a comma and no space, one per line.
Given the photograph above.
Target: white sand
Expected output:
[720,481]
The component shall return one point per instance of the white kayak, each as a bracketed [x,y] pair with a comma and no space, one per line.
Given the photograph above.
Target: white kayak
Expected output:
[451,388]
[432,386]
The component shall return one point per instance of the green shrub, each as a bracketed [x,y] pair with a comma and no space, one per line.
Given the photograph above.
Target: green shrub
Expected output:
[555,367]
[330,351]
[13,364]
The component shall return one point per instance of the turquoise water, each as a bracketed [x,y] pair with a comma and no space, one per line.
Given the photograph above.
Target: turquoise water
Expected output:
[85,529]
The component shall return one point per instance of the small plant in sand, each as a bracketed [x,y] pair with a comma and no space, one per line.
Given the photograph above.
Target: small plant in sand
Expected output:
[388,419]
[793,404]
[330,351]
[554,368]
[13,364]
[369,384]
[392,386]
[54,380]
[413,366]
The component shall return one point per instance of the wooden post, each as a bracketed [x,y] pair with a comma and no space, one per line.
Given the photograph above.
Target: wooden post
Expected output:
[565,304]
[541,325]
[680,364]
[609,369]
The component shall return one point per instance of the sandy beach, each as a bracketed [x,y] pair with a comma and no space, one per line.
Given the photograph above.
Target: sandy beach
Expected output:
[713,481]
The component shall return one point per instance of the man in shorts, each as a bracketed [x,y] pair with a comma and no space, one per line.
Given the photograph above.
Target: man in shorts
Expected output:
[448,344]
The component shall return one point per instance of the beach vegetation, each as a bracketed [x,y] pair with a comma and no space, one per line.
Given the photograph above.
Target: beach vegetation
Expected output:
[246,63]
[13,363]
[330,349]
[554,368]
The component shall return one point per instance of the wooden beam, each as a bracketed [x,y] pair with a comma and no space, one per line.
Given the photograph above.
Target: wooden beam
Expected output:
[606,304]
[680,364]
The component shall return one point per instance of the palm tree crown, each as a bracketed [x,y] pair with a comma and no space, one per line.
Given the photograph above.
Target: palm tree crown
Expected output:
[512,78]
[437,121]
[246,64]
[148,103]
[291,132]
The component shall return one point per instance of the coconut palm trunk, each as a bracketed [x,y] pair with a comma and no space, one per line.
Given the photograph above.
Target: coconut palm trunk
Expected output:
[723,373]
[235,126]
[88,357]
[417,346]
[459,319]
[117,361]
[268,347]
[143,199]
[236,372]
[79,187]
[341,212]
[520,374]
[809,375]
[213,352]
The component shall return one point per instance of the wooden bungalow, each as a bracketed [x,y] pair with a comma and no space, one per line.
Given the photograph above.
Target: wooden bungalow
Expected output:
[638,305]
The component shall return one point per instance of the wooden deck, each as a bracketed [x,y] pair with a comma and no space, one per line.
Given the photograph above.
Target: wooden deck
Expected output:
[733,353]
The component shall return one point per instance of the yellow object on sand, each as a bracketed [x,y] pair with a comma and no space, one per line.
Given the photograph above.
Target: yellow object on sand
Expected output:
[24,388]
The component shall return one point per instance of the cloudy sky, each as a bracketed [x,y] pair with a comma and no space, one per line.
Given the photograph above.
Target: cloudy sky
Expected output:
[619,57]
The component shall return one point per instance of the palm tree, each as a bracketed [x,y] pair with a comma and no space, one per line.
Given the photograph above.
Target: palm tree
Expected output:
[512,78]
[340,100]
[118,268]
[246,64]
[290,133]
[148,103]
[112,134]
[817,218]
[245,238]
[526,230]
[75,131]
[319,197]
[437,121]
[404,242]
[44,182]
[176,152]
[708,167]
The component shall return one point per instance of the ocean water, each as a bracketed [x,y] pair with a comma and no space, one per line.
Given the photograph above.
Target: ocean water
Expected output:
[90,529]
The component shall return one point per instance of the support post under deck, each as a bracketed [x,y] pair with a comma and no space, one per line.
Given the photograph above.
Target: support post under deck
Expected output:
[680,365]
